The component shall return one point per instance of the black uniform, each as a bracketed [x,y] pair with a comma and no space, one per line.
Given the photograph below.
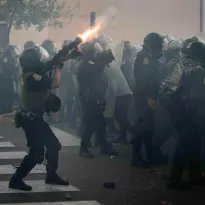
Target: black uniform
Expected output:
[147,84]
[184,98]
[92,86]
[34,95]
[8,71]
[7,86]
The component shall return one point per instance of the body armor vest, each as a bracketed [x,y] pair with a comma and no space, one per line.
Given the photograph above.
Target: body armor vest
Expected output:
[32,101]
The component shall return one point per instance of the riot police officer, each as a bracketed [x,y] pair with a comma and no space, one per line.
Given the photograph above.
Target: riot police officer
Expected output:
[36,85]
[92,86]
[29,44]
[50,47]
[9,68]
[183,95]
[146,70]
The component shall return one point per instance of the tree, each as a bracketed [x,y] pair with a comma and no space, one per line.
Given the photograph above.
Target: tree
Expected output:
[38,13]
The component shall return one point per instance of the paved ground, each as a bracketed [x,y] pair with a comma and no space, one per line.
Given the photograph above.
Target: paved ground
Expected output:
[133,186]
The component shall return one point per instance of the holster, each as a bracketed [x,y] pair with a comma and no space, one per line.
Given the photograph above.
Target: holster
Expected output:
[21,116]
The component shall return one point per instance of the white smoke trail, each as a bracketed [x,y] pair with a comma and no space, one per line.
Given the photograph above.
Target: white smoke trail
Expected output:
[108,15]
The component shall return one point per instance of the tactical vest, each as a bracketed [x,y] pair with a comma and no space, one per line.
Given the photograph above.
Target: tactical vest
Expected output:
[32,101]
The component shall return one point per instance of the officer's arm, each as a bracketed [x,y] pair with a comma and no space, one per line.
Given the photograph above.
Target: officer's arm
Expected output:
[174,80]
[56,78]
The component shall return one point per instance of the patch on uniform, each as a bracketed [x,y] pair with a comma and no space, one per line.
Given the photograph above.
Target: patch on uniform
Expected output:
[146,61]
[37,77]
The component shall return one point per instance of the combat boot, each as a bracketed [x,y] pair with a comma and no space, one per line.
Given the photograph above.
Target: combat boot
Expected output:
[54,179]
[18,184]
[16,181]
[178,184]
[85,153]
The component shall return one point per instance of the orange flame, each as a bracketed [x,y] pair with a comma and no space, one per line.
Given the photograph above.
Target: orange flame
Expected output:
[90,33]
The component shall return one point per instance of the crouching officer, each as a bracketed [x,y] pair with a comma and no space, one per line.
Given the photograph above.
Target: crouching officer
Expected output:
[35,99]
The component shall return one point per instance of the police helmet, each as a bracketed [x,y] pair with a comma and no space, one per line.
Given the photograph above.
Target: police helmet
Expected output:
[12,51]
[153,40]
[29,44]
[98,48]
[46,43]
[174,45]
[49,46]
[186,45]
[91,49]
[44,56]
[197,50]
[29,57]
[165,44]
[197,39]
[169,38]
[105,41]
[66,42]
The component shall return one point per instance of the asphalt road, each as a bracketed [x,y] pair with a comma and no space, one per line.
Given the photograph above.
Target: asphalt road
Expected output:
[133,186]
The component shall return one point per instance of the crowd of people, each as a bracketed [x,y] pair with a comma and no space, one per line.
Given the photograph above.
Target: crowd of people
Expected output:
[133,95]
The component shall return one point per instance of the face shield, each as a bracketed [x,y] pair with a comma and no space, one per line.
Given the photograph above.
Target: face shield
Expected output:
[175,49]
[44,55]
[98,48]
[52,49]
[169,38]
[104,41]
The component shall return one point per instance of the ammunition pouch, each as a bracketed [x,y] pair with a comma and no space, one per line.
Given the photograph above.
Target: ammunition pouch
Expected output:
[53,103]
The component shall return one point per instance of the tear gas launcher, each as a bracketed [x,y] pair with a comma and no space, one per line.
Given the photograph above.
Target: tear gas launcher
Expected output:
[70,51]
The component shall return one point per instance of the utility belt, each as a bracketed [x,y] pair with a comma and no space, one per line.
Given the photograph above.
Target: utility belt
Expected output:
[22,116]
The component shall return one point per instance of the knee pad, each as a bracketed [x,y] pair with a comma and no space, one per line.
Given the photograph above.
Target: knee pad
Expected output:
[37,154]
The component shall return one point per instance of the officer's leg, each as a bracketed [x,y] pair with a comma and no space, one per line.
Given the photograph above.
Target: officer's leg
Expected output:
[136,151]
[147,141]
[105,146]
[123,133]
[89,126]
[35,156]
[194,159]
[32,129]
[137,143]
[53,147]
[179,159]
[111,126]
[62,113]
